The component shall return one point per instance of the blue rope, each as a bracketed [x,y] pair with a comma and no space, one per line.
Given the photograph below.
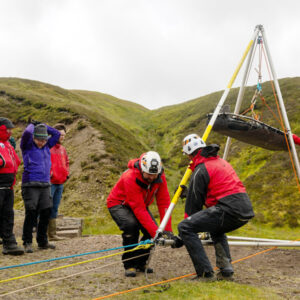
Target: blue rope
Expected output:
[75,255]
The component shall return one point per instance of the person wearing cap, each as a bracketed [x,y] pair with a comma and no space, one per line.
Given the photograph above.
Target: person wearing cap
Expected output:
[215,185]
[9,163]
[36,142]
[128,204]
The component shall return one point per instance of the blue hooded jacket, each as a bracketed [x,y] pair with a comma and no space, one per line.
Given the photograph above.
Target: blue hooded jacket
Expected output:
[37,162]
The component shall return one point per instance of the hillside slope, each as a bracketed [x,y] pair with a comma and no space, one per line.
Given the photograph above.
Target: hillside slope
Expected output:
[105,132]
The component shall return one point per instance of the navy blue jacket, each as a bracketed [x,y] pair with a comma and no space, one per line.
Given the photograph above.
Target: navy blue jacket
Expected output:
[37,162]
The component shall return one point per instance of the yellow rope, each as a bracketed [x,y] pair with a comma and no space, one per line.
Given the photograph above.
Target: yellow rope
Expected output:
[76,264]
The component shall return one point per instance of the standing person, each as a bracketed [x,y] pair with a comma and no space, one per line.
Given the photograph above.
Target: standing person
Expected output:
[9,163]
[12,141]
[36,142]
[128,204]
[213,184]
[59,174]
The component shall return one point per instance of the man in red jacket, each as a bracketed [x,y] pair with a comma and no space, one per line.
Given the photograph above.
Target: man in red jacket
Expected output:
[213,184]
[128,204]
[9,163]
[59,174]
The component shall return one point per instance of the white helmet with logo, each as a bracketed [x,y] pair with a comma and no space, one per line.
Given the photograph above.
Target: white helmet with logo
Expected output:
[151,163]
[191,143]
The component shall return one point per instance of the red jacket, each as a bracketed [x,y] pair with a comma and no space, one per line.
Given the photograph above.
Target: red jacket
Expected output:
[9,160]
[222,180]
[214,182]
[133,191]
[59,164]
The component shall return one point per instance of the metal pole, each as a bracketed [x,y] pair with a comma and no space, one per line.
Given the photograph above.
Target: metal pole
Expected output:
[258,244]
[241,238]
[241,91]
[282,107]
[207,131]
[163,242]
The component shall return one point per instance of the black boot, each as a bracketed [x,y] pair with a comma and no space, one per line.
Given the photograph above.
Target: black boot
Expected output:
[47,246]
[28,248]
[223,261]
[131,272]
[12,249]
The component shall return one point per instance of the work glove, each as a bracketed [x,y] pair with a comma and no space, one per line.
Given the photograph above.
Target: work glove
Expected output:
[204,235]
[167,235]
[177,242]
[34,122]
[183,192]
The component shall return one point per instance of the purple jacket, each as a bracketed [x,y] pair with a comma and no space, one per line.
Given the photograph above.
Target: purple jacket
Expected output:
[37,162]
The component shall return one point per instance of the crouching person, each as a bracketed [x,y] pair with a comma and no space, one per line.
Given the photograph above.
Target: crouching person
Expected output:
[128,204]
[36,142]
[9,163]
[213,184]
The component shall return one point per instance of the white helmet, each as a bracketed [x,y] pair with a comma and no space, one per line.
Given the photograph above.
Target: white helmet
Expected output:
[151,163]
[191,143]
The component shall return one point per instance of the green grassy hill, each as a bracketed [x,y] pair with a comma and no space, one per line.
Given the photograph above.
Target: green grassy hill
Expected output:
[105,132]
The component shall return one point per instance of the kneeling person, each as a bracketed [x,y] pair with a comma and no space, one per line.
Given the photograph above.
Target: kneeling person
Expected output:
[128,204]
[213,184]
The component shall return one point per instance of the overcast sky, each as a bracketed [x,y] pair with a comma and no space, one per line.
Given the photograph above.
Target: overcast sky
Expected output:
[152,52]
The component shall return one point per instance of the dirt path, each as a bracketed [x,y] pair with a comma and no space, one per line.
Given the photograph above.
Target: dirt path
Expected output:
[278,269]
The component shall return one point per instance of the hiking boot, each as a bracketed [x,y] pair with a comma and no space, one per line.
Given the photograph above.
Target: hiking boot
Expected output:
[225,276]
[28,248]
[55,238]
[52,231]
[143,269]
[47,246]
[131,272]
[12,249]
[205,277]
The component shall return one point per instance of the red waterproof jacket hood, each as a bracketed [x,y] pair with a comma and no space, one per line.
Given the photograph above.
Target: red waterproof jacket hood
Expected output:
[133,191]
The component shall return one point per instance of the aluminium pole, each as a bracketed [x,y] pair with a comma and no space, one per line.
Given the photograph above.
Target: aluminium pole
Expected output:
[241,91]
[207,131]
[242,238]
[257,244]
[282,106]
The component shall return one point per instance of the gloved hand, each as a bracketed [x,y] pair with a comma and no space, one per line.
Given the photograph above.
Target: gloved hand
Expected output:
[177,242]
[167,235]
[204,235]
[183,192]
[34,122]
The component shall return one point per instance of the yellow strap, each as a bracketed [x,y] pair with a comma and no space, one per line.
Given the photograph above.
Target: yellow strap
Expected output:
[146,246]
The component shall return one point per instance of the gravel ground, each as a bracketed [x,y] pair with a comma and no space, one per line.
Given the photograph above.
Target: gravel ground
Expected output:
[278,269]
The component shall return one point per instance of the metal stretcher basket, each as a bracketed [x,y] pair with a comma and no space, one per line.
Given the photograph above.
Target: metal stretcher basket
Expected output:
[250,131]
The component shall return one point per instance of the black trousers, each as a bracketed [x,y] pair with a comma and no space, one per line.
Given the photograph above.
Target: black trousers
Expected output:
[7,216]
[131,227]
[217,222]
[38,202]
